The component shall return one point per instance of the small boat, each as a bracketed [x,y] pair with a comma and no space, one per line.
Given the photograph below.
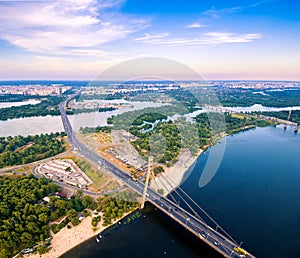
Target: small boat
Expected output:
[296,129]
[98,238]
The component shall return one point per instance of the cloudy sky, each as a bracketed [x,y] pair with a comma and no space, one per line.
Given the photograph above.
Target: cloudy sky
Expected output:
[78,39]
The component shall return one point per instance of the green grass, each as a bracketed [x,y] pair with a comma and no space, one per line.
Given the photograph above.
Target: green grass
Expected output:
[98,179]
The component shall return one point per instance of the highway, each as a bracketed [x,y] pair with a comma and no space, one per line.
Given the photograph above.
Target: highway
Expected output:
[198,227]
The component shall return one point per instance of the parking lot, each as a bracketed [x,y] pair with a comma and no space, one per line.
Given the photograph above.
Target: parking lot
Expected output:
[64,170]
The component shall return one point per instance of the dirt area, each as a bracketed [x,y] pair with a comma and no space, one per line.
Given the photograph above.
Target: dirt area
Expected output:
[124,150]
[92,188]
[95,140]
[24,169]
[116,148]
[116,162]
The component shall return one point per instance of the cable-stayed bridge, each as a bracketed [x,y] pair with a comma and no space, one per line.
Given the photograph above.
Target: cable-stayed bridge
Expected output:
[211,233]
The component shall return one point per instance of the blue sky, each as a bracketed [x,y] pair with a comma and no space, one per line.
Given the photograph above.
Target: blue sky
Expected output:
[78,39]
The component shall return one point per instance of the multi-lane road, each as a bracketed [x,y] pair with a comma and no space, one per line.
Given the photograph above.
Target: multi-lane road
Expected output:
[198,227]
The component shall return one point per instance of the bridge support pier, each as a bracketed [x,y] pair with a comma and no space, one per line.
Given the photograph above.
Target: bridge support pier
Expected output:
[150,164]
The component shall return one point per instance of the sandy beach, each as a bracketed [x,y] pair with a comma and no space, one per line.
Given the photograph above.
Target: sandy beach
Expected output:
[66,239]
[172,177]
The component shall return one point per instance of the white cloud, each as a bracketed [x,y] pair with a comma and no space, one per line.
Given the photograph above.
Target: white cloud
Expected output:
[195,25]
[150,37]
[221,37]
[209,38]
[215,13]
[59,25]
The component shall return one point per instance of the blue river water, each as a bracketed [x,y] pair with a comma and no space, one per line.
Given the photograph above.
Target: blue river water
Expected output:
[254,196]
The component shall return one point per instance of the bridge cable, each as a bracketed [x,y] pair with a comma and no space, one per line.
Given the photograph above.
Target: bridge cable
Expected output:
[202,210]
[174,189]
[192,224]
[175,201]
[227,249]
[212,220]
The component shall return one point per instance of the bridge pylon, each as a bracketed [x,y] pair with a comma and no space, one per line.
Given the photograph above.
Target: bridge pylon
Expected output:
[289,116]
[150,165]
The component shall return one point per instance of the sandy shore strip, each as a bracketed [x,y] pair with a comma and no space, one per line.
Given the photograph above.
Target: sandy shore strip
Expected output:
[173,176]
[66,239]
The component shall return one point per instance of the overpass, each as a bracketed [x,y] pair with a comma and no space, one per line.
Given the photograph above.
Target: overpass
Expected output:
[220,242]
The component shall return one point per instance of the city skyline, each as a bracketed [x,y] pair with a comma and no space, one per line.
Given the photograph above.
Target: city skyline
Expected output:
[78,39]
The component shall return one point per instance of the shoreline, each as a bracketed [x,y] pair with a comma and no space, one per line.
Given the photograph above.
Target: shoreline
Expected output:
[68,239]
[173,176]
[84,232]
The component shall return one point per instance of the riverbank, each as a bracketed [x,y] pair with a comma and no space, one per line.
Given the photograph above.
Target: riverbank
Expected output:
[173,176]
[249,180]
[66,239]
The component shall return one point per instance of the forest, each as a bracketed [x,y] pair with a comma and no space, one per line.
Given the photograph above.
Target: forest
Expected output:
[115,206]
[163,150]
[89,110]
[23,221]
[232,97]
[167,139]
[127,119]
[48,106]
[246,97]
[295,115]
[17,97]
[26,219]
[25,149]
[104,129]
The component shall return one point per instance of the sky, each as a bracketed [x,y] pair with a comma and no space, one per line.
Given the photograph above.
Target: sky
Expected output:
[80,39]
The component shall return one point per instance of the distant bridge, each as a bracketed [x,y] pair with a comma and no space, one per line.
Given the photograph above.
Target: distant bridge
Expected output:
[268,118]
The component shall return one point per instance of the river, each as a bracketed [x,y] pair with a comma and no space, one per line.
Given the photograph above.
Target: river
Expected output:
[48,124]
[254,195]
[19,103]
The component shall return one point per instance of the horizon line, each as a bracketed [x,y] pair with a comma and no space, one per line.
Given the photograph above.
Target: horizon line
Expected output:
[178,80]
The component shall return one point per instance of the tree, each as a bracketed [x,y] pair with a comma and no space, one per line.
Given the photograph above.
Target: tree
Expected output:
[23,221]
[79,193]
[68,169]
[41,249]
[89,202]
[72,216]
